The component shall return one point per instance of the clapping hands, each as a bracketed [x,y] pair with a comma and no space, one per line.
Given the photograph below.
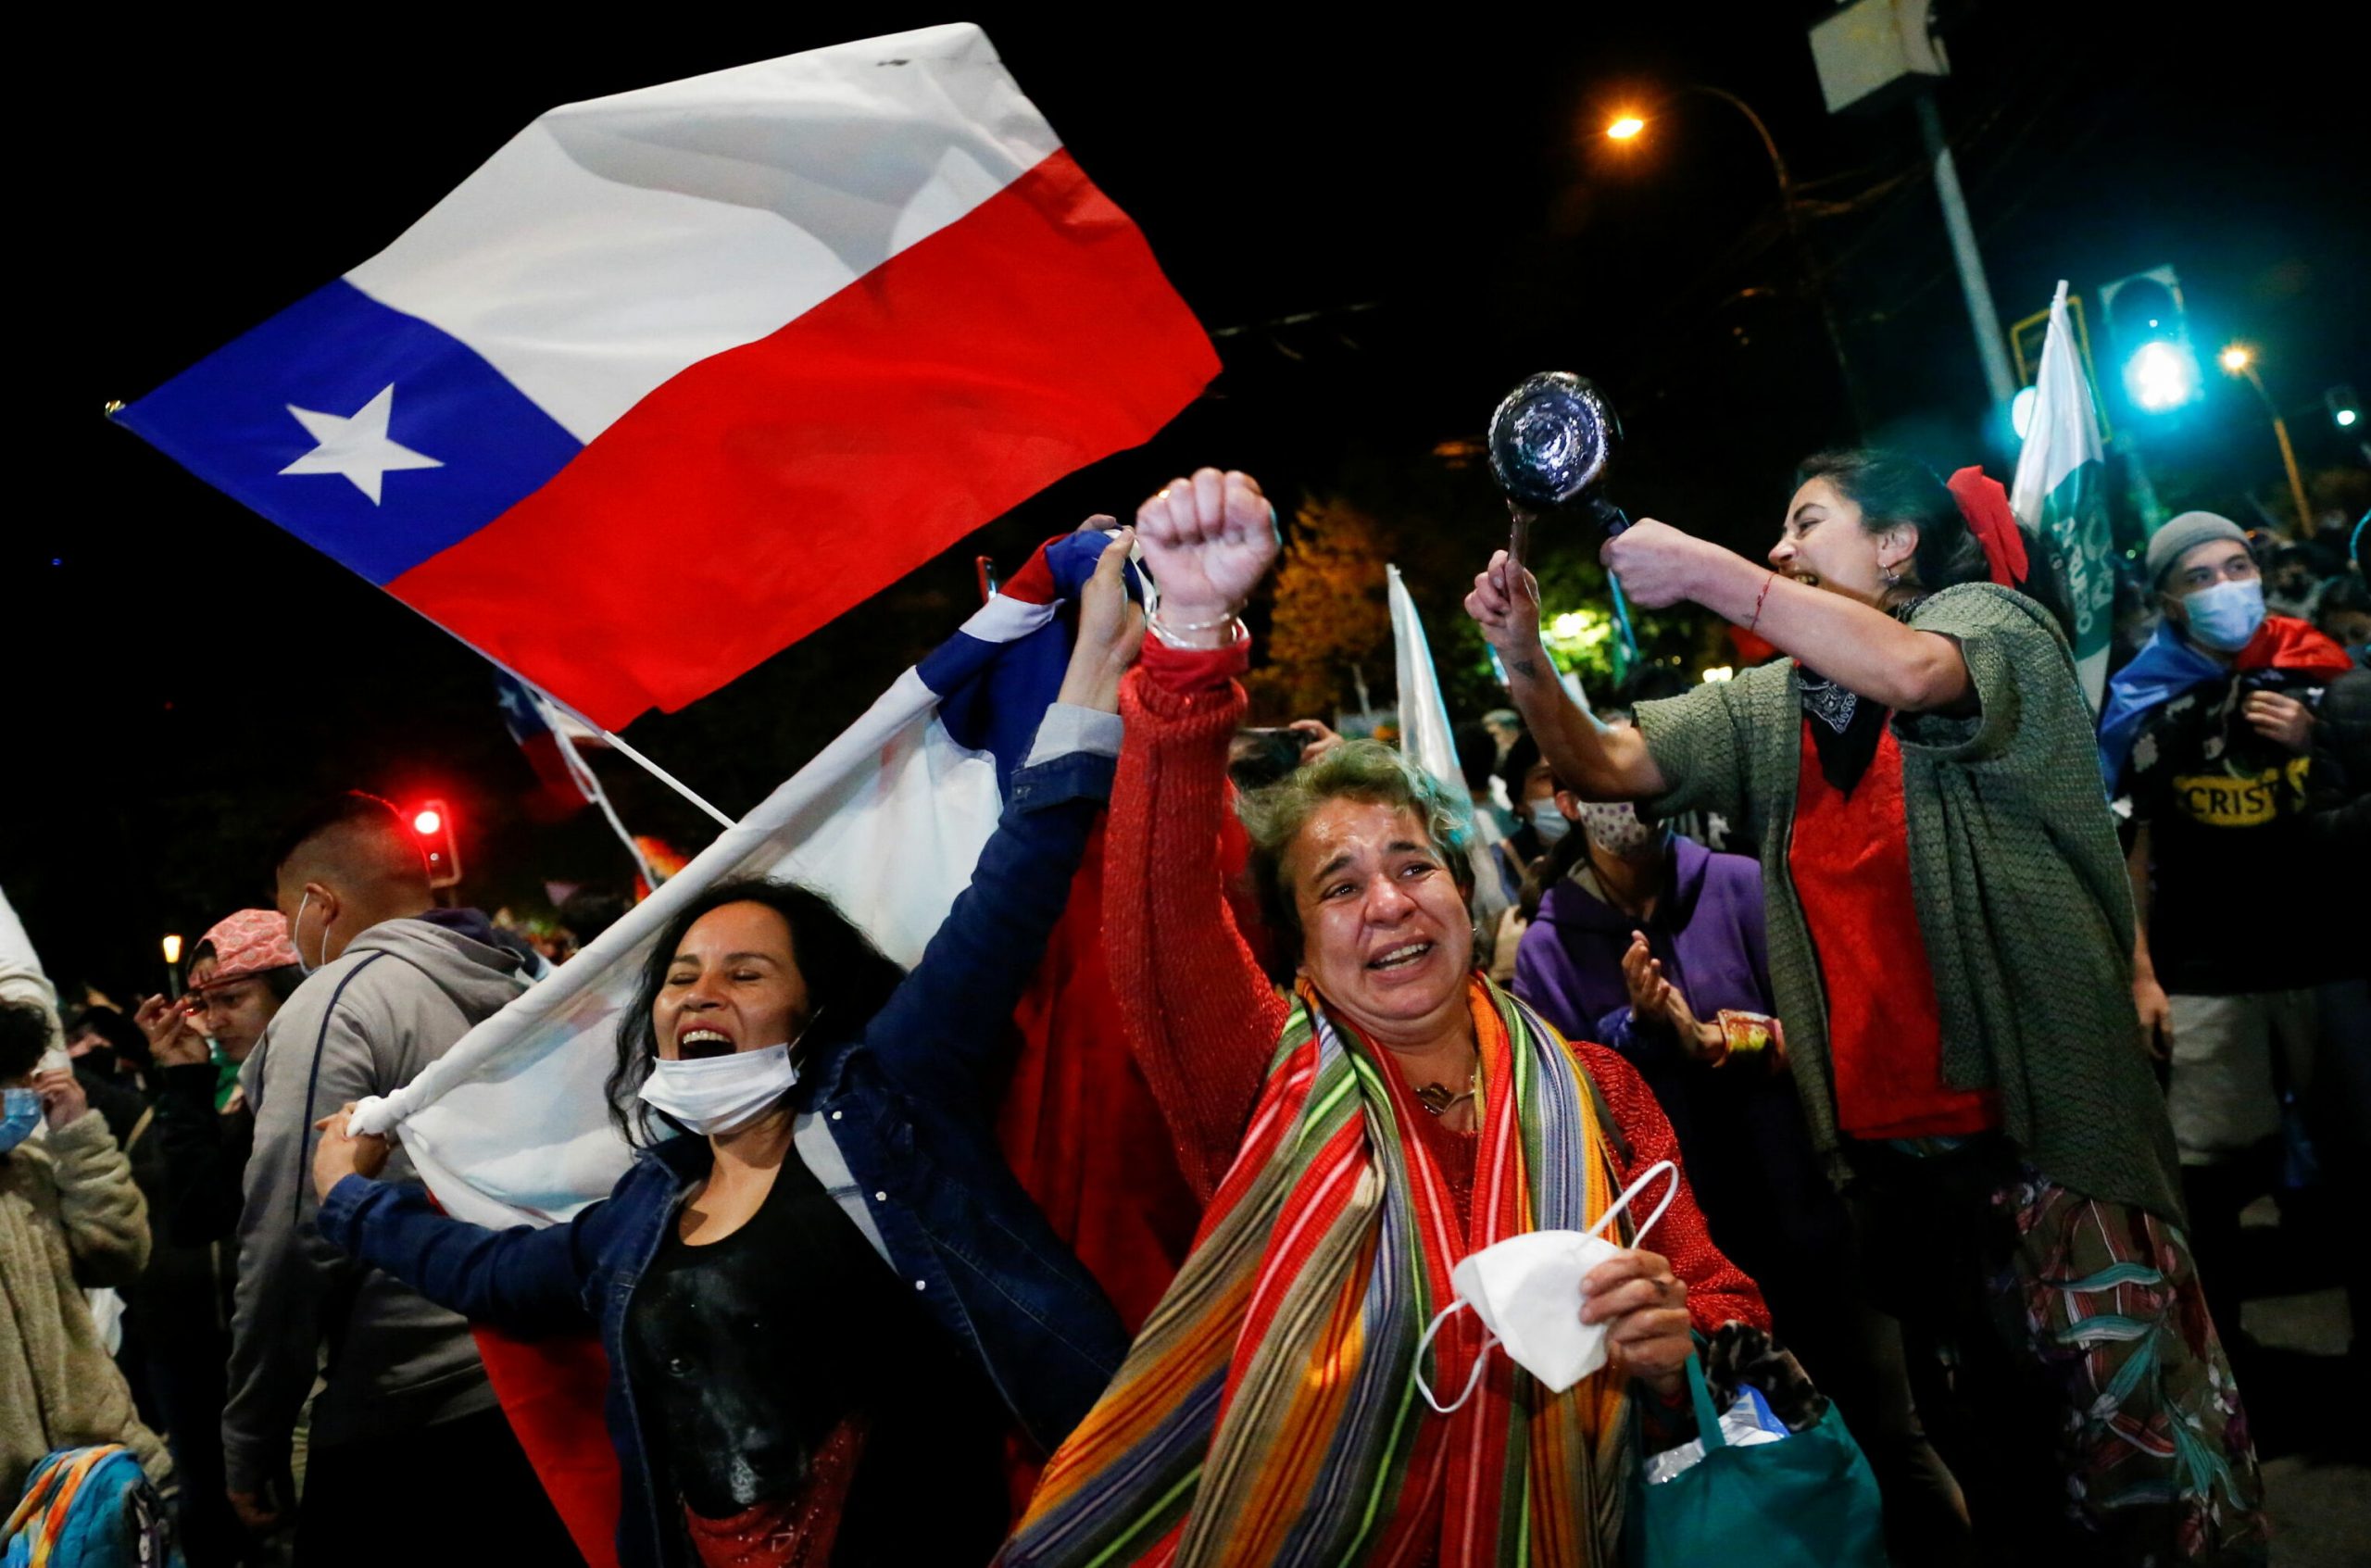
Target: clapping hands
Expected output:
[1655,1000]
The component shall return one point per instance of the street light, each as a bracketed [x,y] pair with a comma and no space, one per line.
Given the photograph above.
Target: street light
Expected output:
[2241,360]
[1627,128]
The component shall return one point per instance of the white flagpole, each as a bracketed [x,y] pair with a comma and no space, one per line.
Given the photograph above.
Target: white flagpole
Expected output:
[610,739]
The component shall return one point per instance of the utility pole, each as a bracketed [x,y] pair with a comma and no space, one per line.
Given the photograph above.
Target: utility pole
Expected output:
[1989,346]
[1872,53]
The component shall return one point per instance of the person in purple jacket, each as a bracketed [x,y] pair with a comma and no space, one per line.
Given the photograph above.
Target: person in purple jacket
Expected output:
[1649,942]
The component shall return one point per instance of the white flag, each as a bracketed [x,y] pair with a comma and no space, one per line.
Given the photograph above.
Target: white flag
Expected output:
[2061,494]
[511,1126]
[1423,717]
[1426,740]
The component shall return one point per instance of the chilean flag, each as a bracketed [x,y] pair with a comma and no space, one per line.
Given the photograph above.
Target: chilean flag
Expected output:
[677,376]
[542,733]
[510,1126]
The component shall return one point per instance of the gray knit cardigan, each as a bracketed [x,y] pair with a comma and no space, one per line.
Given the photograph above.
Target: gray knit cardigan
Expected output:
[2019,882]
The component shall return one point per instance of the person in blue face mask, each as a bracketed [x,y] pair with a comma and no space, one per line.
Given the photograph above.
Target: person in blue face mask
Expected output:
[70,1218]
[2214,726]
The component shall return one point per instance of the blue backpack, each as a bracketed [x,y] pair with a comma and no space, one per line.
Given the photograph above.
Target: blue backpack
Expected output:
[89,1508]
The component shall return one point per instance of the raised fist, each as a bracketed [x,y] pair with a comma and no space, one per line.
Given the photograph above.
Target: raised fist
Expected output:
[1207,541]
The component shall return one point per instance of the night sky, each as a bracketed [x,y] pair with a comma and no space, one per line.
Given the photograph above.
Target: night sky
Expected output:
[1433,194]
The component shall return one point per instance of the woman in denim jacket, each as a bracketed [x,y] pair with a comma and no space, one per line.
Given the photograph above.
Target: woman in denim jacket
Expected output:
[827,1304]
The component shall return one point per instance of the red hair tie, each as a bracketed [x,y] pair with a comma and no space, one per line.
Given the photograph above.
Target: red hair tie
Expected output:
[1985,506]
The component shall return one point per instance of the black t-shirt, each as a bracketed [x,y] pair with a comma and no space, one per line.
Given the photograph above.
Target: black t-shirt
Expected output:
[2229,852]
[747,1352]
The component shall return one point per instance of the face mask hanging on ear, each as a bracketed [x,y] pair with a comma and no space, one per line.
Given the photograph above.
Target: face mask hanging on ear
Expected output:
[1526,1290]
[302,967]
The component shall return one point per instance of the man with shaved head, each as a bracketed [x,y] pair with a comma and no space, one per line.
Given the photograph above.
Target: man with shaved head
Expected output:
[405,1413]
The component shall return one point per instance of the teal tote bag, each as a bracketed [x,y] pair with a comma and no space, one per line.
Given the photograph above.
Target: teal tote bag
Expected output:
[1808,1500]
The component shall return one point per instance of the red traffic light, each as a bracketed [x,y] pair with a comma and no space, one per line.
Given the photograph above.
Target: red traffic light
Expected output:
[432,823]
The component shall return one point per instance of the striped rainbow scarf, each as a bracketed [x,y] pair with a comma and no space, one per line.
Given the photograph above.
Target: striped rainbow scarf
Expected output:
[1267,1413]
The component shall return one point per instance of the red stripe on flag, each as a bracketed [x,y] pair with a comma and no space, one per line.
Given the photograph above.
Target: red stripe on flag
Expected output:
[558,796]
[1033,583]
[552,1391]
[764,491]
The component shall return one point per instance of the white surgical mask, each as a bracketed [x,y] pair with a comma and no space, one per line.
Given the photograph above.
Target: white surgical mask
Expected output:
[2226,616]
[1526,1290]
[715,1094]
[1549,822]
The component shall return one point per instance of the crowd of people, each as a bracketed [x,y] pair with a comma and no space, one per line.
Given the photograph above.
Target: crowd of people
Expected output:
[1863,1051]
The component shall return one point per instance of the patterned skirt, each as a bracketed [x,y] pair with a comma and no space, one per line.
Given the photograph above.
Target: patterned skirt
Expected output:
[2063,1359]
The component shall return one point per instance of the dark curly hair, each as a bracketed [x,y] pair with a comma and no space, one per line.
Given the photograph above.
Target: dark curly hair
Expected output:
[24,1036]
[848,978]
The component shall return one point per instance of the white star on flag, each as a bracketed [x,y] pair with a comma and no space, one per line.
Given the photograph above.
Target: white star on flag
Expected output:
[357,446]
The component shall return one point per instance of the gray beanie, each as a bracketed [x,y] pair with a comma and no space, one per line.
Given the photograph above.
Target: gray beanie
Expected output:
[2182,534]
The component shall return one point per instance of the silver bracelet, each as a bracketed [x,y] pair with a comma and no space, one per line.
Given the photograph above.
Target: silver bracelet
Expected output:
[1169,633]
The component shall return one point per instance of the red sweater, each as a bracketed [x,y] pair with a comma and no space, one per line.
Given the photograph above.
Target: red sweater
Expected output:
[1849,858]
[1206,1017]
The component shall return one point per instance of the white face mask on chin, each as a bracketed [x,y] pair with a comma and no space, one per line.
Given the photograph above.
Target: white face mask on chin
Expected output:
[1526,1290]
[716,1095]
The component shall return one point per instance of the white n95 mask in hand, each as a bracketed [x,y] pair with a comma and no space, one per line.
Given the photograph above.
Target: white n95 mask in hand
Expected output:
[1526,1290]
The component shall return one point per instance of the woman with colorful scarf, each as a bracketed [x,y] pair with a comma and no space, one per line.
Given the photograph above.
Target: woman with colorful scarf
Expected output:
[1951,939]
[1356,1134]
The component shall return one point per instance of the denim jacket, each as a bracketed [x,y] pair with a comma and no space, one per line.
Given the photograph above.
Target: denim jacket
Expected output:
[905,1112]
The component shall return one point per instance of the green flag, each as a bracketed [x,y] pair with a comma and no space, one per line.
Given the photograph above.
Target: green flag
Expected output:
[2061,494]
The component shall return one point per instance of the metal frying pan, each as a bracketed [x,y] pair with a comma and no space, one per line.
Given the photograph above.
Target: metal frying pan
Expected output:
[1551,440]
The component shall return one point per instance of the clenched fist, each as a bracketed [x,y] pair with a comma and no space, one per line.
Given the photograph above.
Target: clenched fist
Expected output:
[1207,541]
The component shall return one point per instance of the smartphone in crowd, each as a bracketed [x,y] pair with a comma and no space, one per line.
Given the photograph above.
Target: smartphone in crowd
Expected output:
[1259,757]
